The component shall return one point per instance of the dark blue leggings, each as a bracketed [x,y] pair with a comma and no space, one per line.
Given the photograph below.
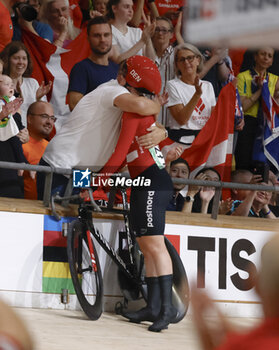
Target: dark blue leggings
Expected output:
[148,204]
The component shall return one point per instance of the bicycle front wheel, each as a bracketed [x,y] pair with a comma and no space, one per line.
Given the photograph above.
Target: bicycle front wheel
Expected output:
[86,276]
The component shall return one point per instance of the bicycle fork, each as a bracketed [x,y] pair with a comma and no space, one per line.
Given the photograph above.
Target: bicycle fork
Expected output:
[91,250]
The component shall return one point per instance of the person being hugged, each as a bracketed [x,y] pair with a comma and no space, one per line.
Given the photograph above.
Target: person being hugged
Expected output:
[148,202]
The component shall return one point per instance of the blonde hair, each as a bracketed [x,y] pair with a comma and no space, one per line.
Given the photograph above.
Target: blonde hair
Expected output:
[73,32]
[190,47]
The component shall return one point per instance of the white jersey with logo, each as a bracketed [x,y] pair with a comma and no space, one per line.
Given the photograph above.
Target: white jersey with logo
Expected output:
[181,93]
[89,135]
[127,40]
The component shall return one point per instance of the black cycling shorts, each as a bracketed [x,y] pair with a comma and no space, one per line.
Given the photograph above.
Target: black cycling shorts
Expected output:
[148,204]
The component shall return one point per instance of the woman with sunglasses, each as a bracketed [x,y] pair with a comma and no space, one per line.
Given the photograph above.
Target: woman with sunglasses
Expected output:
[191,100]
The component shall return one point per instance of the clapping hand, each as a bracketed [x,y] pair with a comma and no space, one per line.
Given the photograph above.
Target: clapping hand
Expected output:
[10,108]
[93,13]
[225,206]
[162,99]
[198,85]
[207,193]
[173,154]
[149,29]
[193,189]
[43,90]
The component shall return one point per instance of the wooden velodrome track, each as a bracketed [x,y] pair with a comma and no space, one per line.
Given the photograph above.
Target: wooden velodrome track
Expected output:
[71,330]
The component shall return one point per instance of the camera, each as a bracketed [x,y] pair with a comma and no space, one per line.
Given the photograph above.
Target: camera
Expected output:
[27,11]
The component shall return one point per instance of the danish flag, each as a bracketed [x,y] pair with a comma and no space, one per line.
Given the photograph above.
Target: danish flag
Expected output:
[51,63]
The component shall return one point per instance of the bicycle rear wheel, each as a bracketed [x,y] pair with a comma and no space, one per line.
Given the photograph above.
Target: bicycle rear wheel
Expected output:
[180,286]
[87,279]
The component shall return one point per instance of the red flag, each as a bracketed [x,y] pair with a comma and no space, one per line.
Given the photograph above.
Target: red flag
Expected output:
[51,63]
[213,145]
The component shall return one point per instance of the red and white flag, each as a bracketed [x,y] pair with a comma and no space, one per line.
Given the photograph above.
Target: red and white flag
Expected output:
[51,63]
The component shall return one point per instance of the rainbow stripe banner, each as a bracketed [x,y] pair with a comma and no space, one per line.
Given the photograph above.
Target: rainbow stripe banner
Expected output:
[56,272]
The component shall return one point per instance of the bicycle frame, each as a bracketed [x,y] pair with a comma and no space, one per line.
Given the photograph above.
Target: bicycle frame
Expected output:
[85,216]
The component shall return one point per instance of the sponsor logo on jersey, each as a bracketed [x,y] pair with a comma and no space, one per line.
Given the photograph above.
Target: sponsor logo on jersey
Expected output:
[200,106]
[149,207]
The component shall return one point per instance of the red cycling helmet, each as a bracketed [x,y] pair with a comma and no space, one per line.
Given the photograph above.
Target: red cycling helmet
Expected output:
[143,74]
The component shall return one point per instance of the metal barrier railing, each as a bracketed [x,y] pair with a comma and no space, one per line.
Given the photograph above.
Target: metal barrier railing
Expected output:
[219,185]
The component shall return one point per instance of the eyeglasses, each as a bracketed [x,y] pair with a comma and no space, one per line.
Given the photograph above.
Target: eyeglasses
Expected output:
[46,116]
[162,30]
[190,59]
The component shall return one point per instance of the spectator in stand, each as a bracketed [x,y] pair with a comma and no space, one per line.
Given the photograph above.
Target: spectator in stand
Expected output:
[164,50]
[199,199]
[1,66]
[191,100]
[40,122]
[216,68]
[57,14]
[170,9]
[142,9]
[76,13]
[165,53]
[179,168]
[256,203]
[274,202]
[248,61]
[249,85]
[263,336]
[241,176]
[97,68]
[128,39]
[6,25]
[18,65]
[12,134]
[99,8]
[36,27]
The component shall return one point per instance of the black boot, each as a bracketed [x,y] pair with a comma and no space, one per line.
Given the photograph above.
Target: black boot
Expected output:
[168,311]
[152,309]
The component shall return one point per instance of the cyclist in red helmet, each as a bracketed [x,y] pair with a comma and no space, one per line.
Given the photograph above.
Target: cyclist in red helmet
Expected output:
[149,201]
